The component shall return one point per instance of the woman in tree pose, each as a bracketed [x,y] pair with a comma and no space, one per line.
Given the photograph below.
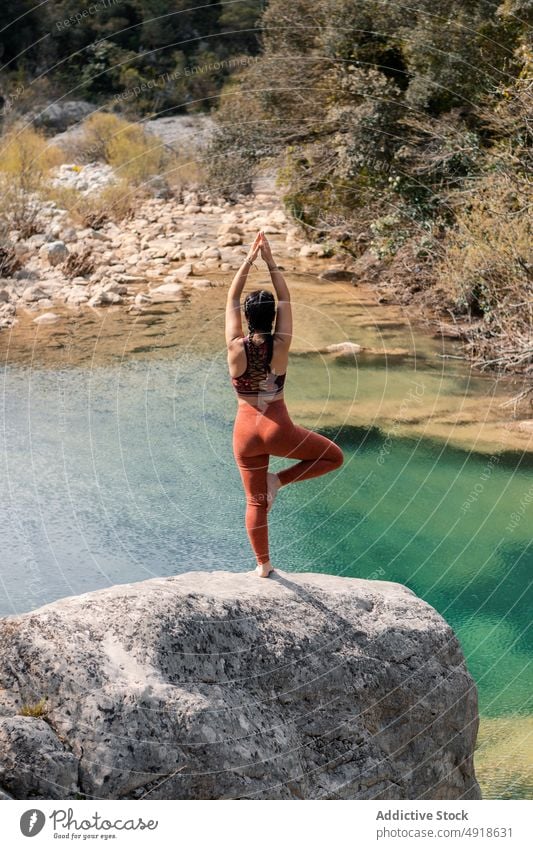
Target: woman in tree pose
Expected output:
[257,365]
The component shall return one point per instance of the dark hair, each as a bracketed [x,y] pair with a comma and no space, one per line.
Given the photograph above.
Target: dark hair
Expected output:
[259,311]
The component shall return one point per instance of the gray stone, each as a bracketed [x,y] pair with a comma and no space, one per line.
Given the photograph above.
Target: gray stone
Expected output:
[34,761]
[100,299]
[220,685]
[337,275]
[367,266]
[314,249]
[33,293]
[59,116]
[54,252]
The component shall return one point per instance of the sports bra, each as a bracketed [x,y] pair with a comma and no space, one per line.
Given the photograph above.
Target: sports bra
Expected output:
[257,377]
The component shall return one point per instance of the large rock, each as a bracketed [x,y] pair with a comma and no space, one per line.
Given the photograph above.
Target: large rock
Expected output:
[338,274]
[225,685]
[54,252]
[59,116]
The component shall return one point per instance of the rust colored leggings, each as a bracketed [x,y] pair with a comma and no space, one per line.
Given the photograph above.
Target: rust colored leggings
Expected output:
[256,435]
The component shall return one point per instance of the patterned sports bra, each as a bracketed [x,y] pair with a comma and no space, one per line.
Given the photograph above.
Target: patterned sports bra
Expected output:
[257,377]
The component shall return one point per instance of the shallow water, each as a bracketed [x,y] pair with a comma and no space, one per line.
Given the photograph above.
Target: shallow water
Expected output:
[117,466]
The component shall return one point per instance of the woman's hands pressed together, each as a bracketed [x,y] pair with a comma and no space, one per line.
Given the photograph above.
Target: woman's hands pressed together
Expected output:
[266,251]
[254,250]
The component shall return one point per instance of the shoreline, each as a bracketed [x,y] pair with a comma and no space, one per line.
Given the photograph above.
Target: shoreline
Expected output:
[170,265]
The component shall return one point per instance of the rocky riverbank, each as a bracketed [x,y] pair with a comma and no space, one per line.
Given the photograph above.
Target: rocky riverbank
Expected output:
[158,255]
[216,685]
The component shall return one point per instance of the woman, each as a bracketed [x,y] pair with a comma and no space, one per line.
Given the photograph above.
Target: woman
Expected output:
[257,365]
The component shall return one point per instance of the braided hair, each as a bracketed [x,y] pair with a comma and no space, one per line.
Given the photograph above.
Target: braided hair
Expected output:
[259,310]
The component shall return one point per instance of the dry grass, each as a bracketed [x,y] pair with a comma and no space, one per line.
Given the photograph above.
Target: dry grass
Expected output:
[79,263]
[134,154]
[115,202]
[37,709]
[486,269]
[26,158]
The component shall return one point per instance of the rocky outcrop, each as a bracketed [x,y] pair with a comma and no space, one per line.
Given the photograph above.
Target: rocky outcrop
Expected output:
[59,116]
[224,685]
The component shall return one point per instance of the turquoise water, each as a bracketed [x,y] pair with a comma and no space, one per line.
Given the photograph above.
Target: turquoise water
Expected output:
[120,473]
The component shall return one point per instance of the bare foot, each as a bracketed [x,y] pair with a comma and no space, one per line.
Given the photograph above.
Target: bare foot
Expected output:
[264,569]
[273,484]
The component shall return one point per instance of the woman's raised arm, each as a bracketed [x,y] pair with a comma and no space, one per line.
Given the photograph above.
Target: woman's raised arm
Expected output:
[233,302]
[283,328]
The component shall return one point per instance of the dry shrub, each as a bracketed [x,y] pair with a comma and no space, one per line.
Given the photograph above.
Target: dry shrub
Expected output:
[26,158]
[9,261]
[79,263]
[134,154]
[96,132]
[115,202]
[487,267]
[184,171]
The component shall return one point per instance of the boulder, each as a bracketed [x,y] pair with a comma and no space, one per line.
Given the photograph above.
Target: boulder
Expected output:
[223,685]
[47,318]
[102,298]
[337,275]
[30,740]
[167,292]
[33,293]
[211,253]
[229,239]
[314,249]
[54,252]
[230,227]
[59,116]
[184,270]
[367,266]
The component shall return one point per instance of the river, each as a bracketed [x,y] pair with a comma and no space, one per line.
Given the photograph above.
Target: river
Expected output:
[117,466]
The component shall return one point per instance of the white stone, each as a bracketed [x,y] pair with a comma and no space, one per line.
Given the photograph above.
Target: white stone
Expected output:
[103,298]
[211,253]
[47,318]
[167,291]
[184,270]
[345,347]
[229,239]
[33,293]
